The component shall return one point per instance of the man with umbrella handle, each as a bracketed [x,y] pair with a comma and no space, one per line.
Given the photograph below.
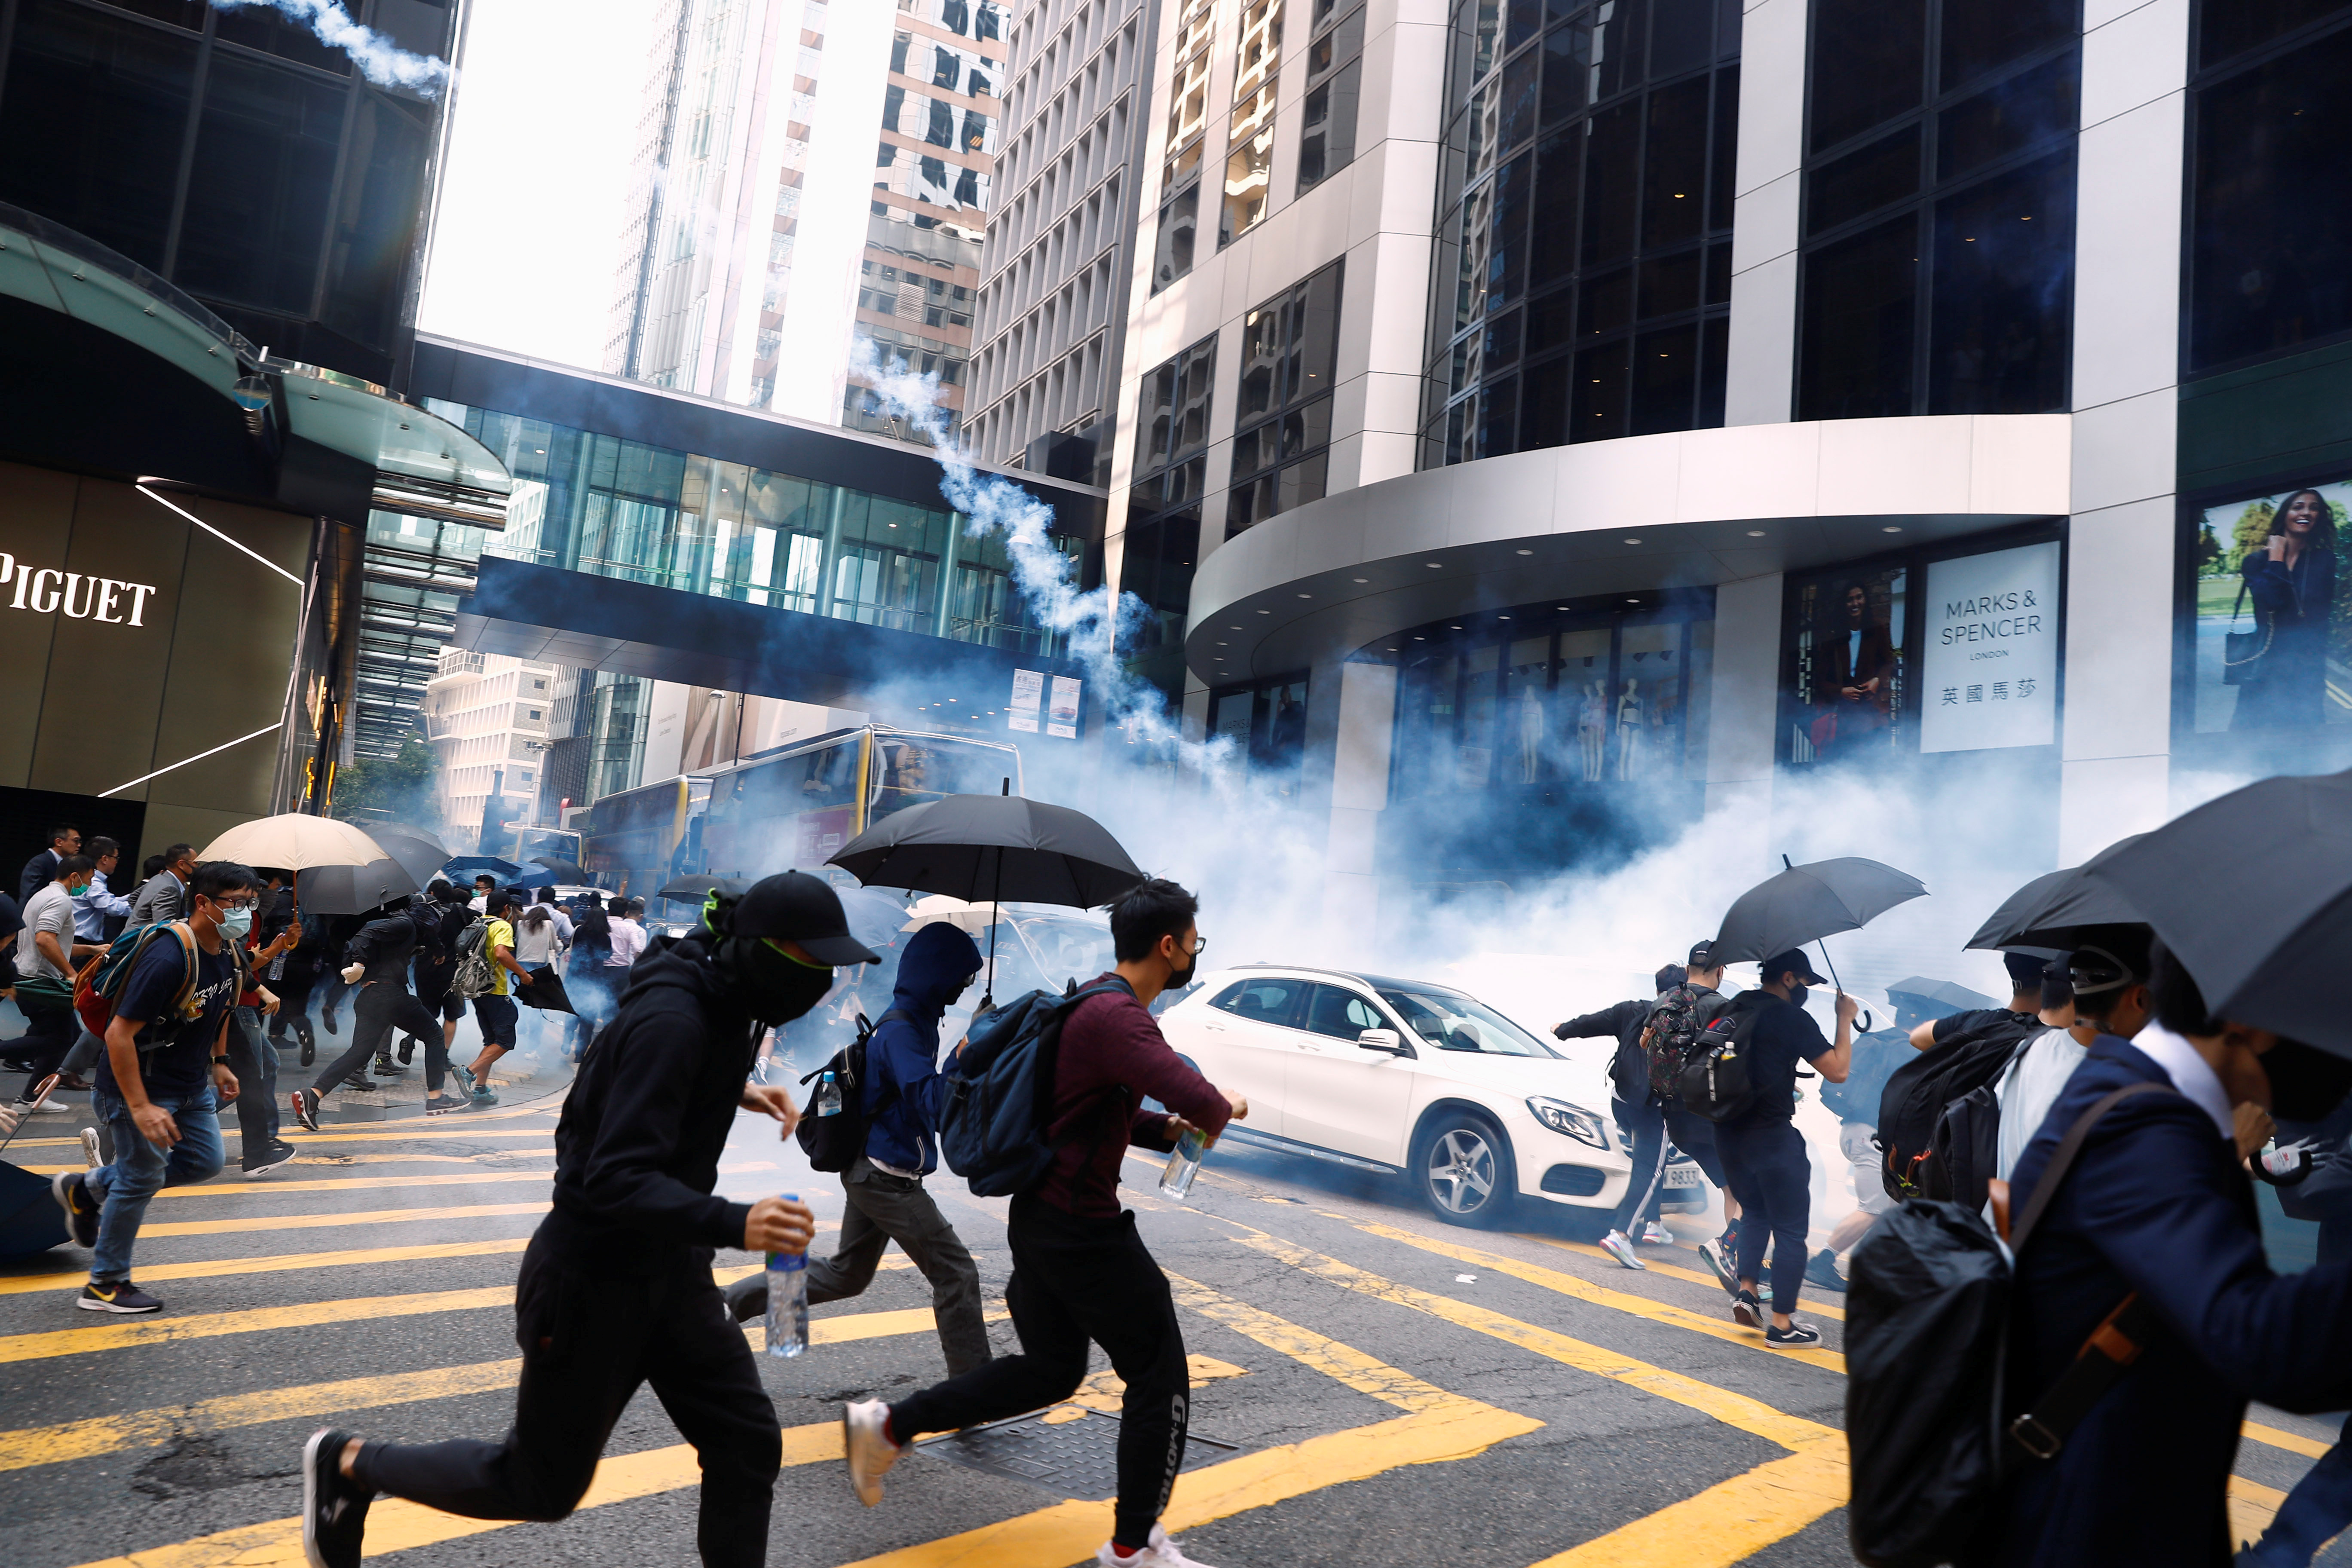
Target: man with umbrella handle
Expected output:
[615,1290]
[1080,1271]
[1762,1152]
[378,966]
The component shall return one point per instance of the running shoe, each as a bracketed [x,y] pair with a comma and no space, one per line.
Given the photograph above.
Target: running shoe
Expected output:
[82,1210]
[1722,1256]
[309,1047]
[1797,1333]
[865,1442]
[407,1050]
[386,1067]
[1746,1311]
[120,1297]
[483,1097]
[279,1154]
[1615,1245]
[91,1155]
[443,1104]
[306,1108]
[1823,1271]
[1656,1234]
[327,1019]
[46,1107]
[334,1507]
[1160,1553]
[747,1297]
[464,1076]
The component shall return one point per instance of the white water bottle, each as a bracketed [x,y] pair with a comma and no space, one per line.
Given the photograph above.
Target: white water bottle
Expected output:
[829,1098]
[1183,1163]
[788,1333]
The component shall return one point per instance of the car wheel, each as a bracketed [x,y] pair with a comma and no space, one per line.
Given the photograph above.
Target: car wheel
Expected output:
[1464,1171]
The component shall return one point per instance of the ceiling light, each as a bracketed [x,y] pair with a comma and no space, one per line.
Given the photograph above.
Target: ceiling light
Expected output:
[1890,528]
[1633,541]
[1420,639]
[1524,552]
[1265,612]
[1434,566]
[1224,645]
[1755,534]
[1233,628]
[1305,596]
[1359,579]
[1502,617]
[1454,628]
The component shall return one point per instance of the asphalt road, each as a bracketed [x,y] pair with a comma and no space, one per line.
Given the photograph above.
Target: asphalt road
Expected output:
[1393,1390]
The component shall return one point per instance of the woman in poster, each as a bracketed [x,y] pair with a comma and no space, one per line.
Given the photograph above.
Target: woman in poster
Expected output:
[2290,578]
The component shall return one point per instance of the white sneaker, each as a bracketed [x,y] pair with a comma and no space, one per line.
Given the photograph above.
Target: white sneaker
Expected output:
[47,1107]
[90,1154]
[1656,1234]
[869,1451]
[1615,1245]
[1162,1552]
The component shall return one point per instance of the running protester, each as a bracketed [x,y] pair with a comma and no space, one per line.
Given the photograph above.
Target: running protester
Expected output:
[494,1011]
[615,1290]
[161,1083]
[1080,1271]
[378,966]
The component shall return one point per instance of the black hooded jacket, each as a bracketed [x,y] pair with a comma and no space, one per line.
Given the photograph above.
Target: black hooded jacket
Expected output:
[637,1151]
[385,945]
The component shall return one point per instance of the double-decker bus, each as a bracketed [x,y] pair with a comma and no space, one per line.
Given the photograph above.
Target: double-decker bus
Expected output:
[794,806]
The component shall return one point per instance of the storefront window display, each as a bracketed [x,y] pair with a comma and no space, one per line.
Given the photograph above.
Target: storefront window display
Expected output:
[2273,614]
[1847,663]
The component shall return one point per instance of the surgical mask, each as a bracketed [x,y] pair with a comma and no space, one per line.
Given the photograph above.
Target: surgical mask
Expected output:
[2307,1083]
[775,987]
[235,924]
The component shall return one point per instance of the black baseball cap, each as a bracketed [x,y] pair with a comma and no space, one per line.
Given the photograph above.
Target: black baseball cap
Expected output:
[1702,954]
[1795,959]
[792,906]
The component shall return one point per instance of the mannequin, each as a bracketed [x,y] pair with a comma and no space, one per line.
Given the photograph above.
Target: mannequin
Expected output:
[1630,718]
[1593,726]
[1531,730]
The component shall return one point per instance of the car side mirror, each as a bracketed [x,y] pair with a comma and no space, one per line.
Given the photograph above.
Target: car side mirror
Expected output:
[1387,1040]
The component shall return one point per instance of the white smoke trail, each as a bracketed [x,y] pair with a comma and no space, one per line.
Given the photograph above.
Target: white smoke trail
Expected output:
[1091,622]
[381,60]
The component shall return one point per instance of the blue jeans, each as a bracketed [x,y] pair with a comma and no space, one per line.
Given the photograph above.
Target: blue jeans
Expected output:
[2319,1506]
[141,1170]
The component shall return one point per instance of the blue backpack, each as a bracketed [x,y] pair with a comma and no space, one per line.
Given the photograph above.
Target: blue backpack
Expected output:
[999,1100]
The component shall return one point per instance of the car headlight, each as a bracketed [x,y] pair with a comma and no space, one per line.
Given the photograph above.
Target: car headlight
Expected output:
[1571,1120]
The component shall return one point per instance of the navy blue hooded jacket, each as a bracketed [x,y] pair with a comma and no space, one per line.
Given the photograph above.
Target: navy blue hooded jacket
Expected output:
[904,1090]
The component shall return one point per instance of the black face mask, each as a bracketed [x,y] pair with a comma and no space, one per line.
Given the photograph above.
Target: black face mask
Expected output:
[774,987]
[1798,994]
[2307,1083]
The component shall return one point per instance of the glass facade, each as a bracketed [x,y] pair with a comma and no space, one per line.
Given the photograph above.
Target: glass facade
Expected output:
[2271,244]
[1188,135]
[1581,286]
[617,508]
[233,154]
[1163,520]
[1335,82]
[1939,221]
[1249,129]
[1596,692]
[1290,350]
[1267,724]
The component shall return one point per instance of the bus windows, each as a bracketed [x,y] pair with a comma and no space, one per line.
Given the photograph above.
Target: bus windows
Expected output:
[829,777]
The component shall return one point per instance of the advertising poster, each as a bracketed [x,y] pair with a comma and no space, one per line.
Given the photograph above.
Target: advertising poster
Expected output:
[1988,669]
[1028,696]
[2273,619]
[1062,718]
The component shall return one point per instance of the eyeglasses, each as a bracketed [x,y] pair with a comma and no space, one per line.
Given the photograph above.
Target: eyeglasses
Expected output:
[245,903]
[1200,945]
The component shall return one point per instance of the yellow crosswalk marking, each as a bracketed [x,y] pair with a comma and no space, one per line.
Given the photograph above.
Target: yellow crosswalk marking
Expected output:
[344,1184]
[1726,1523]
[1813,1307]
[2251,1507]
[325,1221]
[283,1262]
[126,1335]
[1328,1356]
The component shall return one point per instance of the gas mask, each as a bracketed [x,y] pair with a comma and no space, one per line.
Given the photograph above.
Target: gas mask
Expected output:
[775,987]
[2307,1083]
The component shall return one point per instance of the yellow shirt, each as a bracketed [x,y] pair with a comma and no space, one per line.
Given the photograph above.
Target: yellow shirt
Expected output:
[499,935]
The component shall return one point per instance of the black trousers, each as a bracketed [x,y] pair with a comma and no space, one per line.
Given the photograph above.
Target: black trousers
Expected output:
[256,1093]
[292,990]
[589,1338]
[1076,1279]
[382,1007]
[48,1035]
[1773,1181]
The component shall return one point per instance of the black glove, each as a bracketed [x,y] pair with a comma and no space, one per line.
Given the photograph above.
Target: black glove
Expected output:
[1560,1031]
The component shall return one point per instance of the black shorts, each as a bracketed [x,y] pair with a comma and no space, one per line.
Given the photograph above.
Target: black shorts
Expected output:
[451,1008]
[496,1015]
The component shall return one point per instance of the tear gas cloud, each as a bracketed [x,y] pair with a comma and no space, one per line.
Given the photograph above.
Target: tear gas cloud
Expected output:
[381,60]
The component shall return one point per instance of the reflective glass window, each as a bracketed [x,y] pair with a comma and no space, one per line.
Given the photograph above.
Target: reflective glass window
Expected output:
[259,187]
[1282,422]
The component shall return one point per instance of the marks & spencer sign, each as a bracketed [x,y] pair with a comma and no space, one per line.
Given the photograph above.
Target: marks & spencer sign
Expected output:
[1988,676]
[46,591]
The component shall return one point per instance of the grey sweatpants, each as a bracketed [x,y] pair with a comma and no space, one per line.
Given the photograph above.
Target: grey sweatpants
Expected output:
[884,1208]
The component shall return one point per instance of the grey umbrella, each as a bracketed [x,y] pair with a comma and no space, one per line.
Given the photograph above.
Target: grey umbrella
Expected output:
[2252,893]
[353,890]
[2056,911]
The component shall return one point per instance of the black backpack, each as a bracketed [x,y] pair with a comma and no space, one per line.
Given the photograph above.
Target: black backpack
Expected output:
[999,1098]
[834,1142]
[1671,1034]
[1926,1339]
[1916,1097]
[1714,1084]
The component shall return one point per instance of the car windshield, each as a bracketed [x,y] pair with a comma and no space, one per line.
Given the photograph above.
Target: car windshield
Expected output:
[1070,949]
[1455,1022]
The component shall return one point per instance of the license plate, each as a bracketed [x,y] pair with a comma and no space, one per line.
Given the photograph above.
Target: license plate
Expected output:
[1683,1176]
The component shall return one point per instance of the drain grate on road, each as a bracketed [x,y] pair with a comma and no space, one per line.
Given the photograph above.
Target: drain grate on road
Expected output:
[1075,1455]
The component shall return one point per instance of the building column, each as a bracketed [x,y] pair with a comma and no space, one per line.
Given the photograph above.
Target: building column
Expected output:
[1761,380]
[1360,793]
[2118,736]
[1744,708]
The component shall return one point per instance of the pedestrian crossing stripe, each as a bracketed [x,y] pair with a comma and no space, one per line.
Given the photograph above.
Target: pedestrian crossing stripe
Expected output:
[1690,1276]
[154,1229]
[285,1262]
[344,1184]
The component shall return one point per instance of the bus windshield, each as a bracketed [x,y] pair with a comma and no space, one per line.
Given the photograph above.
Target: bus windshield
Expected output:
[912,769]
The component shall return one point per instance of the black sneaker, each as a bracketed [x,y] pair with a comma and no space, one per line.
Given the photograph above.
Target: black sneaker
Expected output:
[1796,1333]
[306,1108]
[82,1210]
[120,1297]
[334,1508]
[278,1155]
[386,1067]
[327,1018]
[1823,1271]
[1746,1311]
[747,1297]
[445,1104]
[309,1047]
[407,1050]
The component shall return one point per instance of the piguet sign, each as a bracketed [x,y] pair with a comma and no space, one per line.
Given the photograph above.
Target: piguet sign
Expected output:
[46,591]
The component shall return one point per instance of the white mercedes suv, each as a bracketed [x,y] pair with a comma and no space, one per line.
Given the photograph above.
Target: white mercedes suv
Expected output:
[1404,1076]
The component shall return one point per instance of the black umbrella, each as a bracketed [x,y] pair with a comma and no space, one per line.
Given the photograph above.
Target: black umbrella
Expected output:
[2055,910]
[562,870]
[353,890]
[2254,893]
[1806,903]
[694,890]
[544,990]
[985,849]
[1939,993]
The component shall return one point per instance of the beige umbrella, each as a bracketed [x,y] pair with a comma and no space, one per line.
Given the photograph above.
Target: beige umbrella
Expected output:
[295,842]
[974,919]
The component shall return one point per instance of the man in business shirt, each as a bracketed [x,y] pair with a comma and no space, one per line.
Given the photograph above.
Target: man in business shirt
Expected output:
[165,896]
[94,904]
[2158,1204]
[65,839]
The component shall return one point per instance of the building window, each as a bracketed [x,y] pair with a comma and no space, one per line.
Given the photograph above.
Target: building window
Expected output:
[1290,350]
[1582,280]
[1188,123]
[1266,724]
[1249,135]
[1938,209]
[2271,242]
[1335,79]
[1163,527]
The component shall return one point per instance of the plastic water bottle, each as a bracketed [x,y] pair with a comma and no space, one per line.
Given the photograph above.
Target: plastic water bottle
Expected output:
[788,1297]
[1183,1164]
[829,1098]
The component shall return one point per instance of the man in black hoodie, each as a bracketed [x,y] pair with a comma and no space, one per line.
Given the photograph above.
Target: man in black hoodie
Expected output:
[615,1289]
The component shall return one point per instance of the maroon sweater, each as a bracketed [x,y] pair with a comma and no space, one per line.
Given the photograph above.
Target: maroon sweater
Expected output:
[1113,1055]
